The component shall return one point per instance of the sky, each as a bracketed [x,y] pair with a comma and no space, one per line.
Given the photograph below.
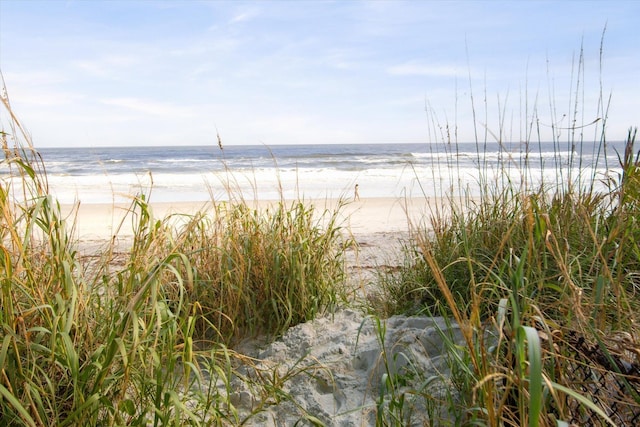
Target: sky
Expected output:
[124,73]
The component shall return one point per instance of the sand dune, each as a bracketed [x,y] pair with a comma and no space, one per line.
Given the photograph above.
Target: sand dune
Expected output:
[341,354]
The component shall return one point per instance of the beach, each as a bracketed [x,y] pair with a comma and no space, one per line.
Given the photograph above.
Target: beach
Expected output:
[379,226]
[342,348]
[353,359]
[366,219]
[299,214]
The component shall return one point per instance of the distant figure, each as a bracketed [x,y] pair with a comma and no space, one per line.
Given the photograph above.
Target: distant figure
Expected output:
[356,195]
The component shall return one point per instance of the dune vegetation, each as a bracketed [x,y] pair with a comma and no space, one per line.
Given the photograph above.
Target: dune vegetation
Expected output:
[545,283]
[543,276]
[542,279]
[144,339]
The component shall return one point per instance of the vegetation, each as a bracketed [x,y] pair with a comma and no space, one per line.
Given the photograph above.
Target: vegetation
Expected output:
[145,341]
[542,280]
[545,286]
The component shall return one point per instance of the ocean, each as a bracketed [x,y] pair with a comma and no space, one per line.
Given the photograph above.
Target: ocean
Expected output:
[198,173]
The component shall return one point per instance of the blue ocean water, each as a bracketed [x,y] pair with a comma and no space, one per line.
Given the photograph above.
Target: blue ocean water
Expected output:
[202,159]
[198,173]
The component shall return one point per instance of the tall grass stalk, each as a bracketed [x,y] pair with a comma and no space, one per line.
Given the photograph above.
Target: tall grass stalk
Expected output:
[145,341]
[541,276]
[261,270]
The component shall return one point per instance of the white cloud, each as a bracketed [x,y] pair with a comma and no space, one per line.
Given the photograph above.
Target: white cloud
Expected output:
[149,107]
[39,78]
[44,98]
[105,66]
[343,58]
[413,68]
[244,16]
[39,89]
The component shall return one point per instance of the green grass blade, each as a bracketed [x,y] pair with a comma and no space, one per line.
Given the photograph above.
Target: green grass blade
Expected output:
[535,374]
[13,401]
[584,400]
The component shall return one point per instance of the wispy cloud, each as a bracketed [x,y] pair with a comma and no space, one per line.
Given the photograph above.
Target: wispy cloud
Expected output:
[39,77]
[153,108]
[106,66]
[41,89]
[245,16]
[413,68]
[343,58]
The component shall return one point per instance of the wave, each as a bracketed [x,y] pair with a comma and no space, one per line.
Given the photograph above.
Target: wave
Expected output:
[265,183]
[191,173]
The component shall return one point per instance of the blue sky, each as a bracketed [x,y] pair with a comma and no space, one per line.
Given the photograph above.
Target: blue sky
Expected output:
[89,73]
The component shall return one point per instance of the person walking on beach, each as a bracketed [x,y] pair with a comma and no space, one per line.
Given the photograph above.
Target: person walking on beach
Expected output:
[356,196]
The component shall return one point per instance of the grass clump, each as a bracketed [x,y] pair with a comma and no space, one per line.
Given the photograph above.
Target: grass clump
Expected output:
[541,276]
[262,271]
[143,340]
[544,285]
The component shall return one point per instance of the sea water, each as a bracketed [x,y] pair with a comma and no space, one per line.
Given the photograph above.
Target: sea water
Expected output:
[200,173]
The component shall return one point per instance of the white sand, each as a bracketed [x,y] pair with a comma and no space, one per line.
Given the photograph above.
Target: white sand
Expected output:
[343,362]
[341,354]
[365,216]
[377,224]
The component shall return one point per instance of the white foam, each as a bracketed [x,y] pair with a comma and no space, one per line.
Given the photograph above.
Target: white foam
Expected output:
[268,184]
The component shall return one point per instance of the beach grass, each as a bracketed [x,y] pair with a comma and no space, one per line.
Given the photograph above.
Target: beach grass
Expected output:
[545,286]
[261,271]
[540,277]
[144,339]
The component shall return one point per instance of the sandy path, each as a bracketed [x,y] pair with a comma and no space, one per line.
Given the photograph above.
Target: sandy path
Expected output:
[341,355]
